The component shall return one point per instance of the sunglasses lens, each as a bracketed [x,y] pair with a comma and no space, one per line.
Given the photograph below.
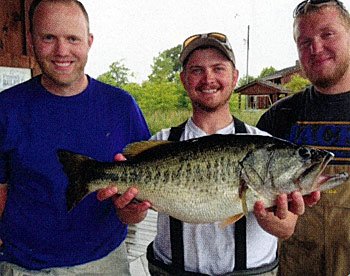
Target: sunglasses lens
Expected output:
[302,5]
[190,40]
[218,36]
[299,8]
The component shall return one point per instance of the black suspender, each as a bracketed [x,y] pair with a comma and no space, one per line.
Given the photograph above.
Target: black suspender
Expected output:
[241,225]
[176,237]
[176,233]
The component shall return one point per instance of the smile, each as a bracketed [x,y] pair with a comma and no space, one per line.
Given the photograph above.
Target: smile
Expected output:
[209,91]
[62,64]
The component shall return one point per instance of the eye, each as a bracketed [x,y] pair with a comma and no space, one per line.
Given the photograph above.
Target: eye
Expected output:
[304,153]
[302,44]
[196,70]
[73,39]
[48,37]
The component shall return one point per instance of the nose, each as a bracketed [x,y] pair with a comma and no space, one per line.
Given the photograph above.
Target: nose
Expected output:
[316,46]
[208,76]
[61,47]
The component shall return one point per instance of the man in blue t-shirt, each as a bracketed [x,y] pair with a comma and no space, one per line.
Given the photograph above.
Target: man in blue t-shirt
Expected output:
[63,109]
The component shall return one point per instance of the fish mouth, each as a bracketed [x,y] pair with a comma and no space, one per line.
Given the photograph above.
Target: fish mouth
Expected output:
[313,173]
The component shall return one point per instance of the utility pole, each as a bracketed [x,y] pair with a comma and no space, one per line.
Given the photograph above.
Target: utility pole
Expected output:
[247,78]
[247,72]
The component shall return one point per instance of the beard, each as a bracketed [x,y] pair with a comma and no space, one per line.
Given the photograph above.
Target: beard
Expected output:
[211,108]
[330,78]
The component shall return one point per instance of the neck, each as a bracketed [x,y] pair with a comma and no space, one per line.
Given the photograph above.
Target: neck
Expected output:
[211,122]
[65,90]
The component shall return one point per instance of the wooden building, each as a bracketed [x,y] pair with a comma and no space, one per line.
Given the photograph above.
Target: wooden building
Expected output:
[262,93]
[16,58]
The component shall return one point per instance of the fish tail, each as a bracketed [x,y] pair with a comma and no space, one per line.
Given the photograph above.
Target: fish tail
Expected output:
[80,171]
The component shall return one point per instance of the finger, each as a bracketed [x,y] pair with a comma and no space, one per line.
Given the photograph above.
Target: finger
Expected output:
[103,194]
[140,207]
[259,210]
[312,198]
[297,205]
[119,157]
[282,206]
[125,198]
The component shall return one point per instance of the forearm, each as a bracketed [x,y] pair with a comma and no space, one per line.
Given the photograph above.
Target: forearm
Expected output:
[3,197]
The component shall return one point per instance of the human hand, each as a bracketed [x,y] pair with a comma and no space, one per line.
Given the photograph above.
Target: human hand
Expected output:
[280,221]
[127,212]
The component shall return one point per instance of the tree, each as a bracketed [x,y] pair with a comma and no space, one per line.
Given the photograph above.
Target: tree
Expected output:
[118,75]
[243,80]
[166,66]
[267,71]
[297,83]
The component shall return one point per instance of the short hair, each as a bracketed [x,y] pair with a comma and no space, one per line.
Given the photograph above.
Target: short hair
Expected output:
[338,5]
[35,4]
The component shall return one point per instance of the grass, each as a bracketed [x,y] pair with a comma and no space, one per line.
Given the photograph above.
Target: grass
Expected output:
[158,120]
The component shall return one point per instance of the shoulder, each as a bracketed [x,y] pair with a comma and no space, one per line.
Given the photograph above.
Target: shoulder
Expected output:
[21,90]
[292,100]
[161,135]
[255,130]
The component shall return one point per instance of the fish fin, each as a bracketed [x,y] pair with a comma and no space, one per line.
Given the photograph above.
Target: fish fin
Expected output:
[135,148]
[80,171]
[231,220]
[244,203]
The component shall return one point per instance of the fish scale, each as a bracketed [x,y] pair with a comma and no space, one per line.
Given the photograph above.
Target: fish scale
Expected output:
[203,180]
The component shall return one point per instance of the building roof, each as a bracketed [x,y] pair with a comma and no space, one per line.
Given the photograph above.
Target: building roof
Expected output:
[265,83]
[282,73]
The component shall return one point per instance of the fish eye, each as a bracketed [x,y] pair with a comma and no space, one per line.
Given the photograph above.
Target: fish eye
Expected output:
[304,153]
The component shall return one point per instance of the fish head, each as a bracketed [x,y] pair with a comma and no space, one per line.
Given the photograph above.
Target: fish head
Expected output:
[283,167]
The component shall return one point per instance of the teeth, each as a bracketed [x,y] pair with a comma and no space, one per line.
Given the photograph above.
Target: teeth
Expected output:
[62,64]
[209,91]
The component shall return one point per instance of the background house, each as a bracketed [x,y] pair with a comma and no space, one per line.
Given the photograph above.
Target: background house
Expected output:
[262,93]
[17,62]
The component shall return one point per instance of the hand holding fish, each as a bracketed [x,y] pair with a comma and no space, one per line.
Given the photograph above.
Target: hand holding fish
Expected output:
[127,212]
[281,221]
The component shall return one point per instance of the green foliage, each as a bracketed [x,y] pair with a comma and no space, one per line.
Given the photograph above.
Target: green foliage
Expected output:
[166,66]
[107,78]
[243,80]
[267,71]
[297,83]
[152,96]
[118,75]
[159,119]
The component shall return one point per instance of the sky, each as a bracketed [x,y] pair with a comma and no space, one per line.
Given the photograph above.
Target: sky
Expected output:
[136,31]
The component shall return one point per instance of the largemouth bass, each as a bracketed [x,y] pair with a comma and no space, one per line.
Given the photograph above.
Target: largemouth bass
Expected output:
[207,179]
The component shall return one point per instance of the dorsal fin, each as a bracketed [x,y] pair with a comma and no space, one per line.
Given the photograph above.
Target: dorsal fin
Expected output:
[138,147]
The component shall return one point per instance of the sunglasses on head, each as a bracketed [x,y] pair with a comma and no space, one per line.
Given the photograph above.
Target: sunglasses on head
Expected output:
[300,8]
[217,36]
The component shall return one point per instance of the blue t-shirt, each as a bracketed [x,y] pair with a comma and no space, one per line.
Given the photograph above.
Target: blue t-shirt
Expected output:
[36,230]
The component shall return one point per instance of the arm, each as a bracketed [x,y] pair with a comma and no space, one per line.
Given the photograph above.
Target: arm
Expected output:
[3,197]
[127,212]
[281,222]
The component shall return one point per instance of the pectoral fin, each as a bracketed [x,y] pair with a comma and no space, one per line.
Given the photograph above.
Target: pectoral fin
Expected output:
[231,220]
[244,203]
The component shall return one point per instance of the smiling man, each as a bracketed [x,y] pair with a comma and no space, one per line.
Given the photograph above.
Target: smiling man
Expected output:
[319,116]
[61,42]
[249,246]
[62,109]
